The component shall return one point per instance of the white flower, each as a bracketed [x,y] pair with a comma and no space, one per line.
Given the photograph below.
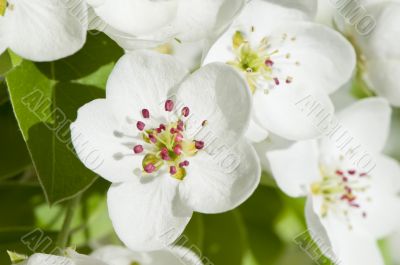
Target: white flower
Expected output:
[71,258]
[182,28]
[171,144]
[284,58]
[352,194]
[42,30]
[117,255]
[371,25]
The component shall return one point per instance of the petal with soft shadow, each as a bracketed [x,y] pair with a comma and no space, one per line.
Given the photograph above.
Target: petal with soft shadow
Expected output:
[45,30]
[296,167]
[147,213]
[222,178]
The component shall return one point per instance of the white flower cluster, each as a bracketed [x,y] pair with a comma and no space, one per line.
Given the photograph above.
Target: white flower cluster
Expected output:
[209,93]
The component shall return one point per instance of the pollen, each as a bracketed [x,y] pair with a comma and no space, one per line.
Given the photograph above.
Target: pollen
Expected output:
[166,147]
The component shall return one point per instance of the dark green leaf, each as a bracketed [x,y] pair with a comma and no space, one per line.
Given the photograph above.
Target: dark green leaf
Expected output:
[14,155]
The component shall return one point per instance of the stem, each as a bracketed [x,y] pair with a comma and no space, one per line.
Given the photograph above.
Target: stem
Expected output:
[63,236]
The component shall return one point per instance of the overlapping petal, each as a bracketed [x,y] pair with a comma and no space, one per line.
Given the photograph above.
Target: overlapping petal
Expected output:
[45,30]
[147,213]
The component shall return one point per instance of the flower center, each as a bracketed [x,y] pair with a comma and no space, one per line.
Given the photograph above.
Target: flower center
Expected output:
[259,63]
[166,146]
[4,5]
[342,191]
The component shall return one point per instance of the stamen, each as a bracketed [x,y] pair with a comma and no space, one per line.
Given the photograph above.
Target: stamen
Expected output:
[149,168]
[138,149]
[145,113]
[199,145]
[172,170]
[140,125]
[269,63]
[184,163]
[178,149]
[169,105]
[276,80]
[185,111]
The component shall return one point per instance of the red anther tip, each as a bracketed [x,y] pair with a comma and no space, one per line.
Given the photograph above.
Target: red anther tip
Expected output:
[145,113]
[276,80]
[180,126]
[185,111]
[178,137]
[149,168]
[140,125]
[172,170]
[351,172]
[169,105]
[152,138]
[199,144]
[269,62]
[138,149]
[177,149]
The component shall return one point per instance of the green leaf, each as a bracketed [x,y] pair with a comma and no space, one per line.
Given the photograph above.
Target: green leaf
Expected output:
[259,214]
[5,63]
[14,157]
[224,239]
[17,204]
[45,98]
[193,234]
[25,240]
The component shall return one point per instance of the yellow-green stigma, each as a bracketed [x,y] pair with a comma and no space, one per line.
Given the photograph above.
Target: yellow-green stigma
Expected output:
[166,145]
[257,62]
[340,190]
[3,7]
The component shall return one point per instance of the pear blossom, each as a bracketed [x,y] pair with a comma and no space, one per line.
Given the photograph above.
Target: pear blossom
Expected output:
[42,30]
[172,143]
[182,28]
[117,255]
[284,57]
[375,38]
[350,203]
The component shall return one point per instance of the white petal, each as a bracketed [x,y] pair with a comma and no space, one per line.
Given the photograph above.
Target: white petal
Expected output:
[221,180]
[44,259]
[45,30]
[368,121]
[80,259]
[255,132]
[383,210]
[116,255]
[136,16]
[317,230]
[142,79]
[349,246]
[296,167]
[218,94]
[308,7]
[292,111]
[326,59]
[263,15]
[147,214]
[382,75]
[101,145]
[380,40]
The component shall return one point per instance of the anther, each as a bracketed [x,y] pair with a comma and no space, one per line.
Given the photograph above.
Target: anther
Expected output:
[199,144]
[140,125]
[169,105]
[138,149]
[145,113]
[185,111]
